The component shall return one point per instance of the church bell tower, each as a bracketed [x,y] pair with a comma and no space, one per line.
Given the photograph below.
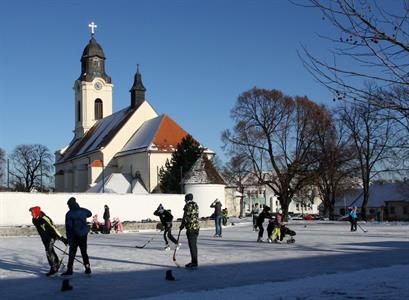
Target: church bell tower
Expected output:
[93,89]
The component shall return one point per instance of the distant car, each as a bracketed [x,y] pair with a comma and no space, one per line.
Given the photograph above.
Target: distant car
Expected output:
[296,217]
[308,217]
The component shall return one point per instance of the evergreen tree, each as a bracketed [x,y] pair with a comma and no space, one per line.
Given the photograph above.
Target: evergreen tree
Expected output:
[186,154]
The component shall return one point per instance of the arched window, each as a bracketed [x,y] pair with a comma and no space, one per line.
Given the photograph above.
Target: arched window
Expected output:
[98,109]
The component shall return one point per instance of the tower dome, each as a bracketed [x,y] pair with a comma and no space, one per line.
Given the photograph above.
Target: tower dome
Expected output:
[93,49]
[93,62]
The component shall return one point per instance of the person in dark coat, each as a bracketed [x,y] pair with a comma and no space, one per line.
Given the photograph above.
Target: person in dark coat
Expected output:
[166,219]
[218,217]
[107,221]
[190,221]
[49,234]
[265,214]
[77,231]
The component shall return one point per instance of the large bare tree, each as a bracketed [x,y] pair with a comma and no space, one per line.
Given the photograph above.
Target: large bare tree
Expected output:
[31,166]
[373,135]
[276,132]
[336,163]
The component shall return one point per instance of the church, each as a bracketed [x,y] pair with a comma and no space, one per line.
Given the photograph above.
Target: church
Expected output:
[117,152]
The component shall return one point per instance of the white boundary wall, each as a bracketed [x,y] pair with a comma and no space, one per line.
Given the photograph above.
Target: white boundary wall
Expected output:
[204,195]
[127,207]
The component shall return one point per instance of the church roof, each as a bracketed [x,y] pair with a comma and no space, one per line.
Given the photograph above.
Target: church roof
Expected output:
[160,134]
[98,136]
[119,183]
[93,49]
[203,172]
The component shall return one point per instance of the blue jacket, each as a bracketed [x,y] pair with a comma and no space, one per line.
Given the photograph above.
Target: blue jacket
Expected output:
[76,221]
[353,214]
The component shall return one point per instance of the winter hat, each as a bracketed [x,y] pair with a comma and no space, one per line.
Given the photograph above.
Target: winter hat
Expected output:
[71,201]
[280,211]
[36,211]
[266,208]
[188,197]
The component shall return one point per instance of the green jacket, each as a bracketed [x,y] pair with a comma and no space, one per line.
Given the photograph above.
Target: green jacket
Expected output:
[191,216]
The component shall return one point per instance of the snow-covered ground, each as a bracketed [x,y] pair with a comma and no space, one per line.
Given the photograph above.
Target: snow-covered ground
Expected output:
[326,262]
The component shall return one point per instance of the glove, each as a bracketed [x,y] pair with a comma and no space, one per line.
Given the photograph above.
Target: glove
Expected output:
[64,240]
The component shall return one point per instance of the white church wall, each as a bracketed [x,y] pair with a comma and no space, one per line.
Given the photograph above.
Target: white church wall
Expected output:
[157,160]
[14,206]
[204,195]
[143,113]
[138,162]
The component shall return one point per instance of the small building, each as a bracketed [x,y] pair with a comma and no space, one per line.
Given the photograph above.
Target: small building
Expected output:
[387,201]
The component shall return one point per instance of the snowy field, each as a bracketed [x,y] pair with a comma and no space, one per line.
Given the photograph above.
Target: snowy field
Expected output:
[326,262]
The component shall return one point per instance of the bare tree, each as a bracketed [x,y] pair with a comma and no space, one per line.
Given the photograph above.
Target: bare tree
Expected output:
[372,45]
[336,163]
[236,171]
[373,136]
[31,165]
[276,133]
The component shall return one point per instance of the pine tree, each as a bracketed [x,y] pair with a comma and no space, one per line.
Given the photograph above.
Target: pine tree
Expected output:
[186,154]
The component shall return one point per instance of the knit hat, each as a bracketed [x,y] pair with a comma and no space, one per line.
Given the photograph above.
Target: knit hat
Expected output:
[71,201]
[36,211]
[188,197]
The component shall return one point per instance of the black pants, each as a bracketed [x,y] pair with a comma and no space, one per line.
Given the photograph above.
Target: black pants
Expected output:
[261,230]
[52,257]
[168,233]
[78,241]
[353,224]
[192,240]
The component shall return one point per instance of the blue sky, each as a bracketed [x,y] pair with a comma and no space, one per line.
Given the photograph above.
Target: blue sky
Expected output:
[195,57]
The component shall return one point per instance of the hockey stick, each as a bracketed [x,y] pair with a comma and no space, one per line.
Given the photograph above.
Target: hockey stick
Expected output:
[176,249]
[144,245]
[61,263]
[65,253]
[363,229]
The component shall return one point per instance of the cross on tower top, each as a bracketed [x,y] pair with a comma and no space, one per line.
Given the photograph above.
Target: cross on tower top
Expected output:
[92,26]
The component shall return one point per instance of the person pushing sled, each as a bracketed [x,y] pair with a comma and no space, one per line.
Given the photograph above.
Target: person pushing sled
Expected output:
[284,230]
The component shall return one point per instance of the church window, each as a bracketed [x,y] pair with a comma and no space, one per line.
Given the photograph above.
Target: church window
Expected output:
[79,111]
[98,109]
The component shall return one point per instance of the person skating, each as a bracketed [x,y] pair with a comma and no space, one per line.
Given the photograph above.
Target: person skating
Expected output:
[107,221]
[218,217]
[255,213]
[277,223]
[49,234]
[265,214]
[190,221]
[77,230]
[353,217]
[166,219]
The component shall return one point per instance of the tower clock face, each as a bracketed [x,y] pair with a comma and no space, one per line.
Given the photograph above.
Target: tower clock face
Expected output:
[98,85]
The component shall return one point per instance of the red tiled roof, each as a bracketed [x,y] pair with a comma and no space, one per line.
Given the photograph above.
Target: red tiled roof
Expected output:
[168,134]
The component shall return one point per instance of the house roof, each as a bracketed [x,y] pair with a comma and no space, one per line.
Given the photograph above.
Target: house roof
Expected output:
[119,183]
[160,134]
[378,195]
[98,136]
[203,172]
